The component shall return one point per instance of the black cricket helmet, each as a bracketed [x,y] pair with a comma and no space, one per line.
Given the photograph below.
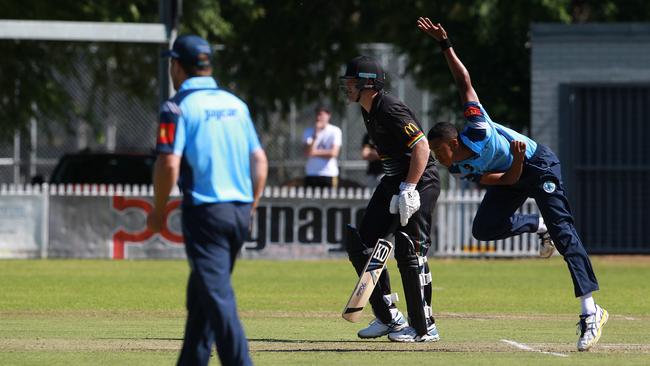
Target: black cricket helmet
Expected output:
[364,69]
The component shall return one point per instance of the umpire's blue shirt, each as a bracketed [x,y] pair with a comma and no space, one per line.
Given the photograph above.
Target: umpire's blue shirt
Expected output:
[490,143]
[213,132]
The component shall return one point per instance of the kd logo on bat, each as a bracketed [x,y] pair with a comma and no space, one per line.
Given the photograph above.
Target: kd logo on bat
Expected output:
[381,254]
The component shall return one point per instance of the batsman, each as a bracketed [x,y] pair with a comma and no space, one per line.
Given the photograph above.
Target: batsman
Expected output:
[407,192]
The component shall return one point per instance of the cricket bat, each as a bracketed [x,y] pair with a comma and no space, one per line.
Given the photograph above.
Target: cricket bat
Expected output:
[368,279]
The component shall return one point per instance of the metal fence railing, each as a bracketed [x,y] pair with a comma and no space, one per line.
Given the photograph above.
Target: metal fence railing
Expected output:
[453,227]
[106,118]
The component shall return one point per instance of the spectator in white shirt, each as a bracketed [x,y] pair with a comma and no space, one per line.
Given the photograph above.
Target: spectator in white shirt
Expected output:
[322,144]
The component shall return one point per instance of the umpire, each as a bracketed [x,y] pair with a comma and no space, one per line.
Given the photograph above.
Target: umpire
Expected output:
[207,141]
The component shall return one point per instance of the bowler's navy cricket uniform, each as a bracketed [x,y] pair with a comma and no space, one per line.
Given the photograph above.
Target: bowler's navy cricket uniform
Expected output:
[212,130]
[540,179]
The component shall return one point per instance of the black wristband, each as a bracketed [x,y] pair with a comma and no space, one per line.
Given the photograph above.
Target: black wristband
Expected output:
[444,44]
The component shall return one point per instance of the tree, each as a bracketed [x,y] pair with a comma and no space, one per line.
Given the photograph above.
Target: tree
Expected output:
[34,72]
[282,52]
[276,53]
[279,52]
[490,37]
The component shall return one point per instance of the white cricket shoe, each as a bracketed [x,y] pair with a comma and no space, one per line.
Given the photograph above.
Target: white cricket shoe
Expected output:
[546,245]
[590,327]
[409,334]
[378,329]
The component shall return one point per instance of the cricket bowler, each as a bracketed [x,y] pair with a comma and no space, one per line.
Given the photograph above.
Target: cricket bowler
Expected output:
[514,168]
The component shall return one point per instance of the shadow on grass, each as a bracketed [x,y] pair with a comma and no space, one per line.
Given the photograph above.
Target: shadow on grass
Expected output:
[274,340]
[330,345]
[293,345]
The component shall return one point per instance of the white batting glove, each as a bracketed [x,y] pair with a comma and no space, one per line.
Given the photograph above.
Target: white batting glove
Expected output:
[407,202]
[394,204]
[394,201]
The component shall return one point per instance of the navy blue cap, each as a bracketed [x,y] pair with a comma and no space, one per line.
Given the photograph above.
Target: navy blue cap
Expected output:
[188,48]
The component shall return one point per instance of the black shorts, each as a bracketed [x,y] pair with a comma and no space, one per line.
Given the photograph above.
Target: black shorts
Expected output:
[377,218]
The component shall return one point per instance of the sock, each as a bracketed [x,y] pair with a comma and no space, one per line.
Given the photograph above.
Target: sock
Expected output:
[541,228]
[588,305]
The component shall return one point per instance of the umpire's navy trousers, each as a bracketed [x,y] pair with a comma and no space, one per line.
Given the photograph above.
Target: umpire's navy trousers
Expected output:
[541,179]
[214,234]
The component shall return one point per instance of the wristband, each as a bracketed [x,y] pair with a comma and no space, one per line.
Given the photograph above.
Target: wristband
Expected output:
[444,44]
[407,186]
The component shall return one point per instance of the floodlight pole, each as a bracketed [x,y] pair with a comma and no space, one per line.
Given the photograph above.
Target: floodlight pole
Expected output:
[170,12]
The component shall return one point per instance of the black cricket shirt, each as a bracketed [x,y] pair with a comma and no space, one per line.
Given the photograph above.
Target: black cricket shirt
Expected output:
[394,129]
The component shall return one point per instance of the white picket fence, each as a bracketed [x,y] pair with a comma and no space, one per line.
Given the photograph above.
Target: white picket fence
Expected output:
[452,227]
[453,224]
[147,190]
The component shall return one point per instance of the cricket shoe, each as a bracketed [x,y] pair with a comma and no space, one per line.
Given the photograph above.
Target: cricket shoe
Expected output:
[377,328]
[590,328]
[546,245]
[409,334]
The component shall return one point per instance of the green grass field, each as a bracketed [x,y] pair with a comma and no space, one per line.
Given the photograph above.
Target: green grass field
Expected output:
[72,312]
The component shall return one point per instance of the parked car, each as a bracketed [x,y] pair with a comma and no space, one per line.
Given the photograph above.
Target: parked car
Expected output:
[104,168]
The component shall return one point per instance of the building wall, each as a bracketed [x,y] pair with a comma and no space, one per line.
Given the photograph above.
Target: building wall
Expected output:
[581,53]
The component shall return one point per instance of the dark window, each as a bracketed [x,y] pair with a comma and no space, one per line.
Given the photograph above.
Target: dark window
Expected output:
[104,168]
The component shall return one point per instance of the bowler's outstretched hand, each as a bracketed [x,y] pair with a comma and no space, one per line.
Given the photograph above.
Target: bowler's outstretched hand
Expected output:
[434,30]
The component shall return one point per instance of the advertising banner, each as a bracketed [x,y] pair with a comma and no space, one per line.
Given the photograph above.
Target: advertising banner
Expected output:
[110,222]
[115,227]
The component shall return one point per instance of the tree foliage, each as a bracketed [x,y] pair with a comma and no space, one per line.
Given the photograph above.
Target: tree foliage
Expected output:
[278,52]
[34,73]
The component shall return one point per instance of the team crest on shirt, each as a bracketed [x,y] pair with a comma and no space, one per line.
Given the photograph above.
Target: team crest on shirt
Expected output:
[472,111]
[166,133]
[549,186]
[468,167]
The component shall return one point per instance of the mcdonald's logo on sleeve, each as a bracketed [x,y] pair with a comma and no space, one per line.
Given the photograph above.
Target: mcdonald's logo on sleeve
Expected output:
[411,129]
[414,133]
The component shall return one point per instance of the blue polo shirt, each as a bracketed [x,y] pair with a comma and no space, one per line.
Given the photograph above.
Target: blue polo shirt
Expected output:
[213,132]
[490,143]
